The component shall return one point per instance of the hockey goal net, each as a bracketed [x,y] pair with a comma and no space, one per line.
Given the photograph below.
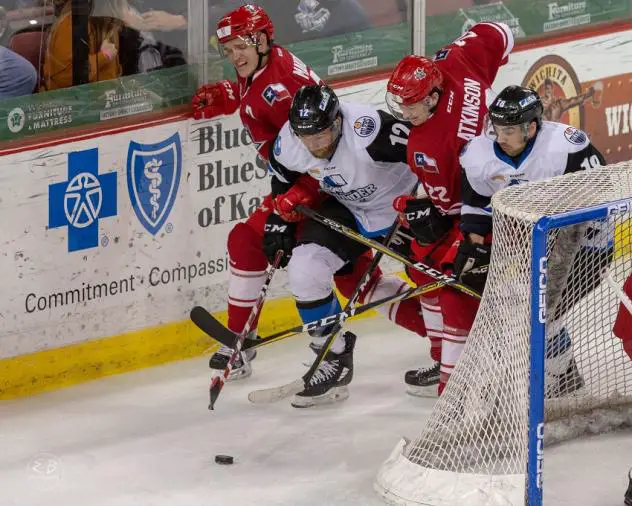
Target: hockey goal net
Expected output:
[542,363]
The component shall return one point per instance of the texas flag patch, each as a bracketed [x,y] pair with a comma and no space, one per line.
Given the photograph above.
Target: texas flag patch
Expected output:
[275,93]
[425,163]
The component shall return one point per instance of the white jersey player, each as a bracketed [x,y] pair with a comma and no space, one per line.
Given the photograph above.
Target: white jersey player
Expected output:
[358,156]
[521,148]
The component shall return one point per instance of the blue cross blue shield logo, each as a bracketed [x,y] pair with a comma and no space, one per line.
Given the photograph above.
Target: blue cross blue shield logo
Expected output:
[153,178]
[82,200]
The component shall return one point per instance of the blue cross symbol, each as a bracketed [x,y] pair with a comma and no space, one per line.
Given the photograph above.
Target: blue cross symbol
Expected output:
[82,200]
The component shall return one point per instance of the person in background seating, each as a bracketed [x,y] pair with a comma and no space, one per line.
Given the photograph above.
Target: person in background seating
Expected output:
[17,75]
[103,30]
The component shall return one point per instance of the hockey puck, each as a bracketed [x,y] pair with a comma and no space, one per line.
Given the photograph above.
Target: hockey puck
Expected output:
[224,459]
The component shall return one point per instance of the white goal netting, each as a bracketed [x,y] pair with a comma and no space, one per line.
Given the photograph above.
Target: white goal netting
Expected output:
[473,450]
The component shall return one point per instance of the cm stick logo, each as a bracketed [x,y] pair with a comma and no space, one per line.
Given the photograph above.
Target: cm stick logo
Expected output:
[82,200]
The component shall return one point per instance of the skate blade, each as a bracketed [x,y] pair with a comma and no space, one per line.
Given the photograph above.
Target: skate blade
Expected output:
[430,391]
[336,394]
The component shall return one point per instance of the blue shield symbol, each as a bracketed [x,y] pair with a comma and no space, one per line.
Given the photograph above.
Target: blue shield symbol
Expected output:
[153,177]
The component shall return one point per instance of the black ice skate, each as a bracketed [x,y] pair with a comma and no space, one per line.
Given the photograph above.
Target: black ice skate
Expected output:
[329,382]
[423,382]
[241,368]
[628,493]
[564,384]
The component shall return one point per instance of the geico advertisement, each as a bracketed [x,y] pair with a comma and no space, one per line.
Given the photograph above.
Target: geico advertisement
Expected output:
[127,231]
[596,97]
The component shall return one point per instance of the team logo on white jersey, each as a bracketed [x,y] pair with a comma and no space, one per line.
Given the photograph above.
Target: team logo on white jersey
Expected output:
[277,146]
[364,126]
[575,136]
[335,181]
[275,93]
[426,163]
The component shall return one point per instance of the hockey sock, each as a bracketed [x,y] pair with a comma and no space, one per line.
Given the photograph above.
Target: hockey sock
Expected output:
[315,310]
[246,275]
[559,350]
[433,320]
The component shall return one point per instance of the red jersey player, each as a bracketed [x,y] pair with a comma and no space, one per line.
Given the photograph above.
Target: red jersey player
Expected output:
[445,99]
[267,78]
[623,324]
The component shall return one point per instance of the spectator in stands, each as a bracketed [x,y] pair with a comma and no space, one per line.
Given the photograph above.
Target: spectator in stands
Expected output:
[17,75]
[167,20]
[104,27]
[299,20]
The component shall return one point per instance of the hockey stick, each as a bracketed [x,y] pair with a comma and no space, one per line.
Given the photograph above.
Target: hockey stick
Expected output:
[217,331]
[274,394]
[623,298]
[385,250]
[217,383]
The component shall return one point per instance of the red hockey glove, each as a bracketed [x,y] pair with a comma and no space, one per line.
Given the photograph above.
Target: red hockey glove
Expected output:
[305,191]
[216,99]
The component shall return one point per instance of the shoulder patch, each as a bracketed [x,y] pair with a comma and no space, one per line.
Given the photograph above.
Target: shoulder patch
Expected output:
[426,163]
[277,146]
[364,126]
[575,136]
[442,54]
[275,93]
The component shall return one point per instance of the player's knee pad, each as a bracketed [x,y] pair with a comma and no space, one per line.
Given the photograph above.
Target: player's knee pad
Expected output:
[245,248]
[311,270]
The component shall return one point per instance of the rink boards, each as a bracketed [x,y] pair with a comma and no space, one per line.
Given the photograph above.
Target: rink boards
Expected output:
[109,241]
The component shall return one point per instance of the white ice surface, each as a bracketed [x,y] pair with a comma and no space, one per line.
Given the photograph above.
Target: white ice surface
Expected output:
[147,438]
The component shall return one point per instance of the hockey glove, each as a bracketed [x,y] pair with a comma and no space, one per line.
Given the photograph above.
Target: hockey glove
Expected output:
[471,264]
[216,99]
[305,191]
[426,223]
[278,235]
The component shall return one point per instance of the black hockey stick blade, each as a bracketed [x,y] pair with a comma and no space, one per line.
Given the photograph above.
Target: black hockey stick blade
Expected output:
[206,322]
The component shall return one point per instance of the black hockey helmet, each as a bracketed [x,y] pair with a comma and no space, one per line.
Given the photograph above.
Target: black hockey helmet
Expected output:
[516,105]
[314,109]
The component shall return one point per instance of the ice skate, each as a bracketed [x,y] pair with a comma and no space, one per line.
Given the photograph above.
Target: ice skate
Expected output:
[329,382]
[423,382]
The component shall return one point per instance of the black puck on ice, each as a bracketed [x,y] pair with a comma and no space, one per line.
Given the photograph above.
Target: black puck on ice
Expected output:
[224,459]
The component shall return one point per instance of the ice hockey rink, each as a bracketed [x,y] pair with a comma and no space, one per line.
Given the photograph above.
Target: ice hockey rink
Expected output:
[148,439]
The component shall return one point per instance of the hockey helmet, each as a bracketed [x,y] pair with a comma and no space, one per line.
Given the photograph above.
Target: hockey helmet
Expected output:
[414,78]
[314,109]
[516,105]
[244,22]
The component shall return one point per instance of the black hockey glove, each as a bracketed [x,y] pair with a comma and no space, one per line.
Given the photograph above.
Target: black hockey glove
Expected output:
[426,223]
[278,235]
[471,264]
[401,240]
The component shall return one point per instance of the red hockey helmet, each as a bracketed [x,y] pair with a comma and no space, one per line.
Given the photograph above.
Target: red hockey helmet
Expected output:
[413,79]
[243,22]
